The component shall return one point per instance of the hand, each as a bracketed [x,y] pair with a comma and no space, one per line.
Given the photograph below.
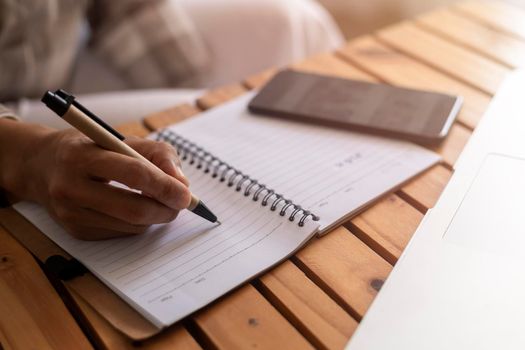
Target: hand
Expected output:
[69,174]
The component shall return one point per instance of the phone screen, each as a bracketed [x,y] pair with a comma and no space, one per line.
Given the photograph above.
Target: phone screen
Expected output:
[415,115]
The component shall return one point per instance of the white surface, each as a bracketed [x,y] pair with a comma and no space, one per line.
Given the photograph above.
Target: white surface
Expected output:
[490,217]
[464,289]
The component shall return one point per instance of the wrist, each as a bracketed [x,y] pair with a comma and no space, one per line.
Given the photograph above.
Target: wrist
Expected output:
[20,146]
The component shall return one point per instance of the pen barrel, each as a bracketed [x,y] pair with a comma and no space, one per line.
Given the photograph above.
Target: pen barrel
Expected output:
[98,134]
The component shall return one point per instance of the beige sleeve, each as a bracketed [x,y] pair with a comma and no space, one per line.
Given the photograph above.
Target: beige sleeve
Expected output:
[7,113]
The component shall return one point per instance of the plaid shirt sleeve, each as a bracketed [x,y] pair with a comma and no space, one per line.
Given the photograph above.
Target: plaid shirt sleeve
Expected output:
[151,43]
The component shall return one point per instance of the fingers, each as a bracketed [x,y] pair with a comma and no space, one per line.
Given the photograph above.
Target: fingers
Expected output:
[118,203]
[162,155]
[138,175]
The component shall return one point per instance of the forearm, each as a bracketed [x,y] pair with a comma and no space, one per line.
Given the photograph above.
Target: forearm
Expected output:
[19,143]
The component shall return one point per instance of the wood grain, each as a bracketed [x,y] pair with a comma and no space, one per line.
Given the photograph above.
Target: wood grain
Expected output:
[486,41]
[324,323]
[424,191]
[32,316]
[331,65]
[133,129]
[107,337]
[346,268]
[220,95]
[248,321]
[170,116]
[455,60]
[256,81]
[451,148]
[395,68]
[498,15]
[387,226]
[326,64]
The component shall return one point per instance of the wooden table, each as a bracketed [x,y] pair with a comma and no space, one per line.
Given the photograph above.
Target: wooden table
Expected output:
[316,298]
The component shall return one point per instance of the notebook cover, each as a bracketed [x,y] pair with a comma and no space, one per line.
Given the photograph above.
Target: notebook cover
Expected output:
[96,294]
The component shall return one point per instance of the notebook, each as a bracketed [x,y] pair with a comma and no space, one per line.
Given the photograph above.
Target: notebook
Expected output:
[273,184]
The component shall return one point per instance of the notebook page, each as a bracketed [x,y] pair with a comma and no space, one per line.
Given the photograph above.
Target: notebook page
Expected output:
[177,268]
[332,173]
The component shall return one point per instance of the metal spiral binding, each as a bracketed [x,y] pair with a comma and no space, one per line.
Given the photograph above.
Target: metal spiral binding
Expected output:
[202,159]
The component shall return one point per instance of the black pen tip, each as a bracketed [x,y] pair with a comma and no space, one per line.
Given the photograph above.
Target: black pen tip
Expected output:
[203,211]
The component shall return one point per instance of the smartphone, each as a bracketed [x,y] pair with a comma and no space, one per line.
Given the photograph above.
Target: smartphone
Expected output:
[420,116]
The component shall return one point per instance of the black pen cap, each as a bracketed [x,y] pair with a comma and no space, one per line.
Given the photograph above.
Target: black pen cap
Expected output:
[56,103]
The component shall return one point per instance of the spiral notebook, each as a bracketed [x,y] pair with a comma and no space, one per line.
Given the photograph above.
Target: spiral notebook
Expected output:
[273,184]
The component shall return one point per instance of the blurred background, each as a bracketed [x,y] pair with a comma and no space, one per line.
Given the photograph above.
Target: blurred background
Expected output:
[356,17]
[239,38]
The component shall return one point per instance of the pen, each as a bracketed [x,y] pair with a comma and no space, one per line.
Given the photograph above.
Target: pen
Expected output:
[105,136]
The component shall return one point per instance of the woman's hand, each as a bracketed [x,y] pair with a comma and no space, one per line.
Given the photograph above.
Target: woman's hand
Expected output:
[68,174]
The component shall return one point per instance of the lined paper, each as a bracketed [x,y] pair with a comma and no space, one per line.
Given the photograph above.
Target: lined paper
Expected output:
[332,173]
[177,268]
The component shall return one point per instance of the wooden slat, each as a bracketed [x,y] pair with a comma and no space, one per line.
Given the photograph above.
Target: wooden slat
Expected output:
[220,95]
[106,337]
[396,68]
[387,226]
[327,64]
[245,321]
[317,316]
[133,129]
[499,15]
[424,191]
[331,65]
[451,148]
[348,270]
[169,116]
[448,57]
[494,44]
[258,80]
[32,316]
